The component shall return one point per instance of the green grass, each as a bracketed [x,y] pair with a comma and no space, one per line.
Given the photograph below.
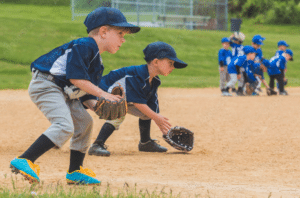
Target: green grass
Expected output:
[32,31]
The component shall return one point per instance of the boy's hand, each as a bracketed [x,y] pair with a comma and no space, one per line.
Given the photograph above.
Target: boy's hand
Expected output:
[163,123]
[221,68]
[111,97]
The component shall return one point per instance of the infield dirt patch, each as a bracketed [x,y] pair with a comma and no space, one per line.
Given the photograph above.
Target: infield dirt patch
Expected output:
[244,146]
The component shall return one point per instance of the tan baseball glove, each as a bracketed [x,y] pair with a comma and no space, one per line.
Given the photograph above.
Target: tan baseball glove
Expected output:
[109,110]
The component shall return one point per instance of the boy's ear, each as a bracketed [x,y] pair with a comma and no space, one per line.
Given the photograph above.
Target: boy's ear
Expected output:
[102,31]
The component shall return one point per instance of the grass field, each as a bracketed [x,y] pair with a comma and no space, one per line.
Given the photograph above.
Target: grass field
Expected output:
[31,31]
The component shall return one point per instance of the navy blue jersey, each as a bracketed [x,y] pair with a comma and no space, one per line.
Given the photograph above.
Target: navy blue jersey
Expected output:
[252,69]
[237,49]
[276,64]
[78,59]
[135,81]
[224,56]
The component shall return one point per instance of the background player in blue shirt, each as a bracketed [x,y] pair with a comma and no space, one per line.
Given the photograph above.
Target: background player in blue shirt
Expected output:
[238,65]
[59,78]
[140,84]
[276,70]
[282,46]
[257,42]
[224,57]
[236,41]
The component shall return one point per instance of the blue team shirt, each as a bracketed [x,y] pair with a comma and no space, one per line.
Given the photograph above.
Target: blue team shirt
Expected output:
[225,56]
[252,68]
[240,61]
[237,49]
[78,59]
[257,59]
[279,53]
[276,64]
[137,86]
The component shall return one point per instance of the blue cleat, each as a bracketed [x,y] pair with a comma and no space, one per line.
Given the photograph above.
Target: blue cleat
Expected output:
[26,168]
[83,177]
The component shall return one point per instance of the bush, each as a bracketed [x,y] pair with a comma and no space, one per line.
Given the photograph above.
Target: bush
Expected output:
[284,13]
[253,8]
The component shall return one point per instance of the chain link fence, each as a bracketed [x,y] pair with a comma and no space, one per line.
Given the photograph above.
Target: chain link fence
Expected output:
[184,14]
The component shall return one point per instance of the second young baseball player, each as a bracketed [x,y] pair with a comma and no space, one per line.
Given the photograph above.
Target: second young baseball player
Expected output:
[224,60]
[277,68]
[59,78]
[140,84]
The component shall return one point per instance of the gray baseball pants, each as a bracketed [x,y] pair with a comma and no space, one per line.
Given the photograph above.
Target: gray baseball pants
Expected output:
[224,77]
[68,118]
[233,80]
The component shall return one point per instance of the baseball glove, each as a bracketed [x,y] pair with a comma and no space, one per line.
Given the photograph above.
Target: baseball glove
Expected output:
[180,138]
[109,110]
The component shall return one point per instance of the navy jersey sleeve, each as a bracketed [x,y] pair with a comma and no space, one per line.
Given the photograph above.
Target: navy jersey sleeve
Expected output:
[78,62]
[153,103]
[240,61]
[282,63]
[134,90]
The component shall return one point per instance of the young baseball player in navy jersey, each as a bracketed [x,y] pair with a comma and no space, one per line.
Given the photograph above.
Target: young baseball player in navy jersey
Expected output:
[276,70]
[59,78]
[140,84]
[236,41]
[237,66]
[224,60]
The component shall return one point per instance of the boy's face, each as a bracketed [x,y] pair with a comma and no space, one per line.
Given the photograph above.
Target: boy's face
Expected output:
[288,57]
[225,45]
[282,47]
[114,39]
[256,46]
[165,66]
[251,56]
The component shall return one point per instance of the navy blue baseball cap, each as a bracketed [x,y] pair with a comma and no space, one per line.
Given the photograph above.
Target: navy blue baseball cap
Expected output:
[258,39]
[108,16]
[162,50]
[225,39]
[290,52]
[249,49]
[282,43]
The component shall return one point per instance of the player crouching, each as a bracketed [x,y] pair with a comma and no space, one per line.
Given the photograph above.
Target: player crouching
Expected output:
[236,67]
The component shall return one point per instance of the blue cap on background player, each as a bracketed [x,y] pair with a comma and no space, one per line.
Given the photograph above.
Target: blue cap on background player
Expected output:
[225,39]
[249,49]
[282,43]
[290,52]
[162,50]
[257,39]
[108,16]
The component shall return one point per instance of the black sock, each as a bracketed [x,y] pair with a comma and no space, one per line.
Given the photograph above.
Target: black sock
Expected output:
[38,148]
[76,160]
[227,89]
[106,130]
[144,126]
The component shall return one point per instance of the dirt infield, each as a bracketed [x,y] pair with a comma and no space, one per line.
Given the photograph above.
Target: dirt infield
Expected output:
[244,146]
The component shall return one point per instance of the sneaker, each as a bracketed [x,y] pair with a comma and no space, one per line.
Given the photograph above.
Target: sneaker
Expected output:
[271,92]
[26,168]
[255,94]
[284,93]
[226,93]
[151,146]
[82,177]
[240,93]
[99,149]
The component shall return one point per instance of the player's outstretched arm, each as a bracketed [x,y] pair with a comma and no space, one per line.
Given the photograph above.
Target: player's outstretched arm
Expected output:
[161,121]
[92,89]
